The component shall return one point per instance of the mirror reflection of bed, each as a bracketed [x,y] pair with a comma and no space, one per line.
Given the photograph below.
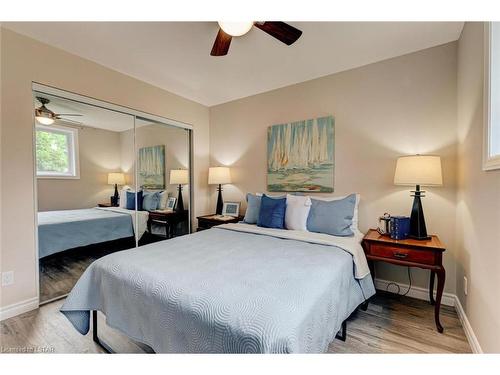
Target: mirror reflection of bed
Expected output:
[86,188]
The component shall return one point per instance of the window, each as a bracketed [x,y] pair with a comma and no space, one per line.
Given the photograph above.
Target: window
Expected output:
[491,153]
[56,152]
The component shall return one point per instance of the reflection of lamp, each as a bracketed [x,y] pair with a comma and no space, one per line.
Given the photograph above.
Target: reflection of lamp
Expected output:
[418,170]
[116,179]
[219,176]
[179,177]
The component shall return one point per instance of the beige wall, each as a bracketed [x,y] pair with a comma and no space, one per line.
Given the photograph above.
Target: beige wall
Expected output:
[99,153]
[25,60]
[400,106]
[478,203]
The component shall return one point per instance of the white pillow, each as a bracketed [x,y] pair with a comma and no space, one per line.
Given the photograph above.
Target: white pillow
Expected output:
[163,200]
[354,225]
[297,211]
[123,197]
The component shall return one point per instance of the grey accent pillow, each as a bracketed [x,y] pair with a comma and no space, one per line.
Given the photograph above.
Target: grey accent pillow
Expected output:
[150,201]
[332,217]
[253,208]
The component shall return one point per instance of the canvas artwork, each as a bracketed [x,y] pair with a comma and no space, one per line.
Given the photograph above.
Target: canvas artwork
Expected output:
[300,156]
[151,167]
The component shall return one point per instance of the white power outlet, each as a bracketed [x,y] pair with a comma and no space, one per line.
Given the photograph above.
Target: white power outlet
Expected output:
[465,285]
[7,278]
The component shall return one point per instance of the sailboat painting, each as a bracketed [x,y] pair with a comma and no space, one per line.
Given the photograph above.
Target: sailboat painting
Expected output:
[300,156]
[152,167]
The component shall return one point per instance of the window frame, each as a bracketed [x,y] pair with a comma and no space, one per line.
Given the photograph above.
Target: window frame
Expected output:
[73,151]
[490,162]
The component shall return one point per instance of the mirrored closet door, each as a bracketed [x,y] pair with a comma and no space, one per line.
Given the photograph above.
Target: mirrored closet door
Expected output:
[163,178]
[107,180]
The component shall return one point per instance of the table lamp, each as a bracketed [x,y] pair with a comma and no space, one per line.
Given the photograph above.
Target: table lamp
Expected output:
[116,178]
[219,176]
[179,177]
[418,170]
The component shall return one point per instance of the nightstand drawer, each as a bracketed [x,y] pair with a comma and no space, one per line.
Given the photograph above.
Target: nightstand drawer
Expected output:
[405,254]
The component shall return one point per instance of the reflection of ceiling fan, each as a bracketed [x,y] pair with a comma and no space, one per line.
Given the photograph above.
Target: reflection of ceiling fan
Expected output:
[47,117]
[280,30]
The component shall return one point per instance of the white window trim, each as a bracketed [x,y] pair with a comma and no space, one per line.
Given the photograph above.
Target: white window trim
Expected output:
[489,162]
[74,152]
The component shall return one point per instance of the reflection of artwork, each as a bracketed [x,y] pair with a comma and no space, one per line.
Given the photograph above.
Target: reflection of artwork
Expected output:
[300,156]
[152,167]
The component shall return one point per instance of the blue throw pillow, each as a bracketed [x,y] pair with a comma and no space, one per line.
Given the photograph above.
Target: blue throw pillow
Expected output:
[253,209]
[332,217]
[272,212]
[131,200]
[150,201]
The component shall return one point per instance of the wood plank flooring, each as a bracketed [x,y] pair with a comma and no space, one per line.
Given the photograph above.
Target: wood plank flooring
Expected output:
[390,325]
[60,272]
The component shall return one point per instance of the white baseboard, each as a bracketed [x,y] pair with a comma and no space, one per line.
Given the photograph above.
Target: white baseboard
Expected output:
[471,337]
[417,292]
[18,308]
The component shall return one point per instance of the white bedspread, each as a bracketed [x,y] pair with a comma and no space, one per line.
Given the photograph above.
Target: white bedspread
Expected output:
[350,244]
[140,225]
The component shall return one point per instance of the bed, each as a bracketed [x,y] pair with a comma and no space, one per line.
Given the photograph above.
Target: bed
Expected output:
[236,288]
[68,229]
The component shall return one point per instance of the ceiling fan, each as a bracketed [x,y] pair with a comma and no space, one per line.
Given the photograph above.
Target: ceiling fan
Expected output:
[280,30]
[47,117]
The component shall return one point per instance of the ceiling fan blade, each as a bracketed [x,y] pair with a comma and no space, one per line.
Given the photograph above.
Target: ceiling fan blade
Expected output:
[221,44]
[280,30]
[62,119]
[76,126]
[67,114]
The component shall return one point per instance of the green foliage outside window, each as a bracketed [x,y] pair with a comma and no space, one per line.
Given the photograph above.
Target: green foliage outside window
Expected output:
[52,154]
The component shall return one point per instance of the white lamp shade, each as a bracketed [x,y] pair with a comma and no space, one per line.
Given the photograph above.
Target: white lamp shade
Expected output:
[219,175]
[179,177]
[116,178]
[418,170]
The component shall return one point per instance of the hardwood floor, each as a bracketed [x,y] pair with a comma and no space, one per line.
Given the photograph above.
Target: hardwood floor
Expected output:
[394,324]
[60,272]
[390,325]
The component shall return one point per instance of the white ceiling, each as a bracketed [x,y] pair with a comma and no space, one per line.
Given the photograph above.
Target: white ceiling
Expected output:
[176,55]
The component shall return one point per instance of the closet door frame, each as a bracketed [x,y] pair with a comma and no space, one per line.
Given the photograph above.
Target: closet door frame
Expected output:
[50,90]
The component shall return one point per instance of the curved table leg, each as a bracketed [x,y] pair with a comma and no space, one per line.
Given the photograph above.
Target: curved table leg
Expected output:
[431,288]
[441,276]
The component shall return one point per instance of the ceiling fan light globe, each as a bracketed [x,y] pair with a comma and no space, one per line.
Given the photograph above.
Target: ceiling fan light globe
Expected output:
[44,120]
[236,28]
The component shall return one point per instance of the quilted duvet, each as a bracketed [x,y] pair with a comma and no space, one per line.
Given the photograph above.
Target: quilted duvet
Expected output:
[223,291]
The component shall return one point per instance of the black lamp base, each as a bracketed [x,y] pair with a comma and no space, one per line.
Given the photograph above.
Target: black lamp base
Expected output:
[418,231]
[220,202]
[115,198]
[179,207]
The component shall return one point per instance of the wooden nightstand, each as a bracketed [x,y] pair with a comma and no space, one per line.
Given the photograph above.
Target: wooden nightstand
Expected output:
[104,205]
[411,253]
[169,219]
[209,221]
